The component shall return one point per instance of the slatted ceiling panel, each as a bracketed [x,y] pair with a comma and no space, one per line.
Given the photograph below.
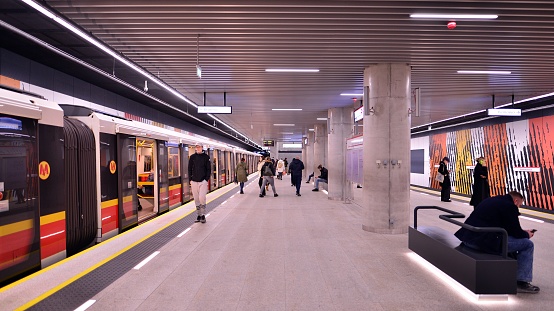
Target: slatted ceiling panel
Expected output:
[240,39]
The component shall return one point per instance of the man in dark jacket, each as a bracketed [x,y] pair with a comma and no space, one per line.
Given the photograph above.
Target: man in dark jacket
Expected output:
[321,178]
[502,211]
[268,171]
[295,168]
[199,174]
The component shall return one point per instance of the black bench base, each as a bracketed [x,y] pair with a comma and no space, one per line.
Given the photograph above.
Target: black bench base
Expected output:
[479,272]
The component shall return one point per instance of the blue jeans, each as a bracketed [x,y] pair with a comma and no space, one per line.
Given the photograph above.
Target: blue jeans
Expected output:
[241,186]
[317,181]
[525,249]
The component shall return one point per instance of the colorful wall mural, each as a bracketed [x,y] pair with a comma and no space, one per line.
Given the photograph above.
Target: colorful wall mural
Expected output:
[519,156]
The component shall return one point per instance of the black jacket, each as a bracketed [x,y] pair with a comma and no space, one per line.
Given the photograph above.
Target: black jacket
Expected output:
[481,188]
[199,167]
[499,211]
[324,173]
[296,167]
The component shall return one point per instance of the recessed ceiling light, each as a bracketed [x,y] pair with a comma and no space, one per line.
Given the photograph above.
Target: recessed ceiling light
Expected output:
[454,16]
[322,119]
[283,124]
[311,130]
[290,70]
[489,72]
[286,109]
[351,94]
[287,133]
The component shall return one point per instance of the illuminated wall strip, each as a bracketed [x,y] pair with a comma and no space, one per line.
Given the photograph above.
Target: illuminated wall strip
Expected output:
[145,261]
[457,287]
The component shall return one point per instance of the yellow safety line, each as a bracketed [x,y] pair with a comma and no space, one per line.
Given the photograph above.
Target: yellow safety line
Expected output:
[463,198]
[217,193]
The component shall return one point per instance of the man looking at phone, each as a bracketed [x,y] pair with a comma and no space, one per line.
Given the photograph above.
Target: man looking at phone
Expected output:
[503,211]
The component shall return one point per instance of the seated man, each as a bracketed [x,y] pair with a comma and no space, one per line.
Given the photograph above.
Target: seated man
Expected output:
[320,178]
[502,211]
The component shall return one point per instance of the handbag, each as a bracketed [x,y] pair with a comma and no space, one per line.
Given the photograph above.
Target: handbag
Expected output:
[439,177]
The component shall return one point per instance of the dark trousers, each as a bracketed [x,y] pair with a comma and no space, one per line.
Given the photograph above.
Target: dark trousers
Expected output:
[260,181]
[297,181]
[445,189]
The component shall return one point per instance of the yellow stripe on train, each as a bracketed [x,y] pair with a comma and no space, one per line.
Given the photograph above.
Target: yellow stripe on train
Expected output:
[44,220]
[16,227]
[109,203]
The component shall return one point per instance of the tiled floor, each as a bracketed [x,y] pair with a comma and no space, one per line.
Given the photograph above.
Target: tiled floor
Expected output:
[303,253]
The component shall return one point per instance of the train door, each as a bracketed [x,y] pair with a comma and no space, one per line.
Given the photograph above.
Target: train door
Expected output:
[214,180]
[174,174]
[147,193]
[229,157]
[221,168]
[127,177]
[185,154]
[109,166]
[19,206]
[163,180]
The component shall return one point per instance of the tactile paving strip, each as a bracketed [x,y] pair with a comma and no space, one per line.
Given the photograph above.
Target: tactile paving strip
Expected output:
[81,290]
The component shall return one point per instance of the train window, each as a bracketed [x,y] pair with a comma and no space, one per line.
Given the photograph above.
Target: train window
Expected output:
[18,164]
[173,162]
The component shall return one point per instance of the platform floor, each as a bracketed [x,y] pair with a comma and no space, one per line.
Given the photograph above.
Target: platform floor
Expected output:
[279,253]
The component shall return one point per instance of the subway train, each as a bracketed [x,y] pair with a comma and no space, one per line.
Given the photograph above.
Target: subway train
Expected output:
[71,177]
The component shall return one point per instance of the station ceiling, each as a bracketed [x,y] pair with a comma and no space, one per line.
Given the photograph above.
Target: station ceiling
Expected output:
[235,41]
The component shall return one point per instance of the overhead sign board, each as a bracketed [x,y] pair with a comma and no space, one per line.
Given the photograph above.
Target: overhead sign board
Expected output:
[215,109]
[359,114]
[269,143]
[504,112]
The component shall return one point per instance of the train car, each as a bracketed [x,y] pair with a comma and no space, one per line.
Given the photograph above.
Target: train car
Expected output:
[32,184]
[71,177]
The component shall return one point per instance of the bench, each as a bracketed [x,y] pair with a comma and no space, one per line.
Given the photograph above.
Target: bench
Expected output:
[482,273]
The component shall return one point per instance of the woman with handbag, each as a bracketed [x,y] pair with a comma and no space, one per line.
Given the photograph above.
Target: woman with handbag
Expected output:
[241,174]
[445,184]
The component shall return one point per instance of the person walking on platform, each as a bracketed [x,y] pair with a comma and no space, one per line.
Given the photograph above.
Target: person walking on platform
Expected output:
[295,168]
[503,212]
[261,177]
[268,171]
[280,169]
[242,174]
[445,184]
[321,178]
[199,171]
[481,188]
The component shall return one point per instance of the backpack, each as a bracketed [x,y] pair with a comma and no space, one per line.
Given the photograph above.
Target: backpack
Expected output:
[268,171]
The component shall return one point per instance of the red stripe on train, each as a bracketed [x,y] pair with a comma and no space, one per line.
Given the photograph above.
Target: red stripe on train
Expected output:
[15,247]
[109,218]
[52,238]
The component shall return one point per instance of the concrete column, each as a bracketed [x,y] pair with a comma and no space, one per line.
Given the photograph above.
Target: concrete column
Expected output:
[341,128]
[320,147]
[309,164]
[386,192]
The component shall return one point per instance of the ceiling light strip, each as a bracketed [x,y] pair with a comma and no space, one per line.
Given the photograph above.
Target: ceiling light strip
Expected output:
[489,72]
[453,16]
[351,94]
[286,109]
[290,70]
[117,56]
